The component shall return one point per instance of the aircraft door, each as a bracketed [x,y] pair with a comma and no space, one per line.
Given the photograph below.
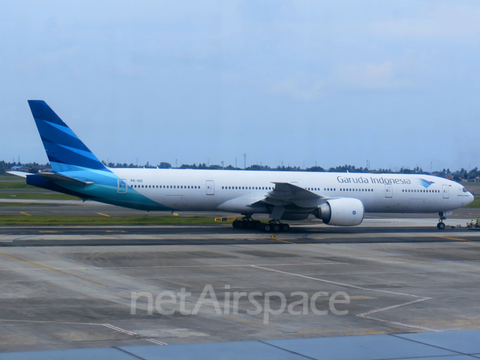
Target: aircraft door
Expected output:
[388,191]
[445,191]
[122,186]
[210,187]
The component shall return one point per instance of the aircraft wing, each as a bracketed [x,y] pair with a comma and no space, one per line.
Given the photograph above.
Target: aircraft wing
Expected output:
[285,194]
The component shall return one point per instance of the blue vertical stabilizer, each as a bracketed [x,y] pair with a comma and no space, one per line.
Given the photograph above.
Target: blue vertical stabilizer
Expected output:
[65,151]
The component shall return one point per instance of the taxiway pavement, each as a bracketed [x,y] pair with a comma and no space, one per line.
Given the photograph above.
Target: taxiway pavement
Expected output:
[83,287]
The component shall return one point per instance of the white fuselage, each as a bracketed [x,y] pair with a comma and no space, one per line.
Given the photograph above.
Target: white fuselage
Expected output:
[235,191]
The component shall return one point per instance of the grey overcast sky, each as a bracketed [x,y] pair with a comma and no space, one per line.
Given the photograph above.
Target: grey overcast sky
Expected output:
[332,82]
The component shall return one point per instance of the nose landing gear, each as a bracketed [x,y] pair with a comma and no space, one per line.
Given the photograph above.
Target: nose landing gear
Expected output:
[441,224]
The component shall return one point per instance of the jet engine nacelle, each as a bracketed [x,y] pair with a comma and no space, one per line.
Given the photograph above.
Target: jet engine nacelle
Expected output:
[342,212]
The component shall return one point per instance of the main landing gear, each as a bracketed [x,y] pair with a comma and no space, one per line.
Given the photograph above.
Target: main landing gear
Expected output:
[441,224]
[271,226]
[247,223]
[275,226]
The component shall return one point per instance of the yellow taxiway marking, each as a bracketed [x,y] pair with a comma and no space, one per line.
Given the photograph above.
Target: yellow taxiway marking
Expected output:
[25,213]
[49,268]
[103,214]
[450,238]
[364,331]
[116,231]
[226,218]
[376,256]
[244,321]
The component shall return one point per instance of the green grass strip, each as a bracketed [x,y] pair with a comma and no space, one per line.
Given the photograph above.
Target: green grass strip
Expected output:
[20,204]
[11,185]
[102,220]
[474,204]
[37,196]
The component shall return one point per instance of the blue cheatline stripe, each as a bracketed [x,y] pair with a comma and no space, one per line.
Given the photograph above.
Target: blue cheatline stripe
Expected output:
[62,128]
[86,154]
[54,135]
[58,154]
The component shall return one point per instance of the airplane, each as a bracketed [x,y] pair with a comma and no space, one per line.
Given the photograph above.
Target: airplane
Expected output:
[340,199]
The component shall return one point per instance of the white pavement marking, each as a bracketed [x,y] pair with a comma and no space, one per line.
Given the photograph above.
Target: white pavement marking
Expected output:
[365,315]
[158,342]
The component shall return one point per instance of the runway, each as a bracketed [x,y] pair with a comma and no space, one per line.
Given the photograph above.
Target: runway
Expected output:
[71,287]
[372,231]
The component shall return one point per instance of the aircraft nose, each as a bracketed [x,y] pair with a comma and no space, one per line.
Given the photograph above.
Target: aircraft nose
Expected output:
[470,197]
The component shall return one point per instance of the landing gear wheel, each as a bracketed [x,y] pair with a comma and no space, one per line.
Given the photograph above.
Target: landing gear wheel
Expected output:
[285,227]
[235,224]
[240,224]
[275,227]
[266,227]
[248,224]
[440,226]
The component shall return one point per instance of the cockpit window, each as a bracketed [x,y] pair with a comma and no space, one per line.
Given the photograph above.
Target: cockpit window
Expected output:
[464,190]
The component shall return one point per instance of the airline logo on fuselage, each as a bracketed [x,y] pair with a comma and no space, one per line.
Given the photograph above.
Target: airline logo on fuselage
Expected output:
[426,183]
[373,180]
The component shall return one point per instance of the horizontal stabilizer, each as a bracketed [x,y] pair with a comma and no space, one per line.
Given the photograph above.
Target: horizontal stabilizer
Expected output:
[62,178]
[19,173]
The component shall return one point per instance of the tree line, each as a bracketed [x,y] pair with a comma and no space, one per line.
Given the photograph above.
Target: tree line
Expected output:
[457,175]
